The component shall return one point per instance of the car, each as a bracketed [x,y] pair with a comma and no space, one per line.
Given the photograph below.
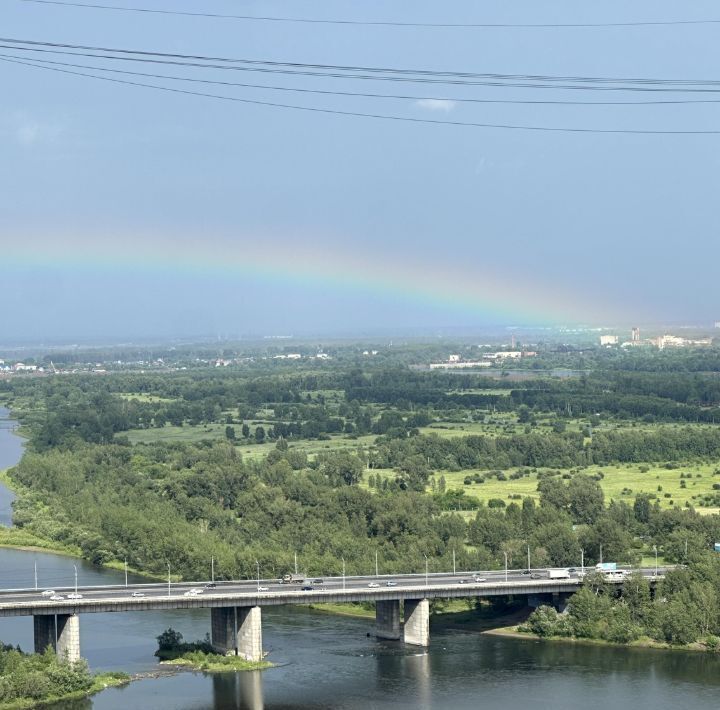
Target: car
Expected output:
[48,593]
[74,595]
[211,585]
[478,579]
[535,575]
[267,589]
[318,581]
[390,583]
[462,581]
[572,570]
[196,591]
[188,594]
[526,571]
[57,598]
[138,594]
[373,585]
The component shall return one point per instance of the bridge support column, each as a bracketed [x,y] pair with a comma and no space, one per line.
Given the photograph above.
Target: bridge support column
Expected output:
[560,601]
[387,619]
[417,622]
[61,632]
[249,633]
[68,637]
[237,631]
[43,631]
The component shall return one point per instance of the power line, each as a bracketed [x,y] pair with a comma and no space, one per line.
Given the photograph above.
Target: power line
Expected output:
[388,117]
[371,73]
[404,97]
[377,23]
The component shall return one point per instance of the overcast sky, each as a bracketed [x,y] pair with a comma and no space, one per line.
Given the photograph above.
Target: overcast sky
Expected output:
[127,211]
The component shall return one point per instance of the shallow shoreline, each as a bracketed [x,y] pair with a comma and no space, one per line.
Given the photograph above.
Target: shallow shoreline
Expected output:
[643,643]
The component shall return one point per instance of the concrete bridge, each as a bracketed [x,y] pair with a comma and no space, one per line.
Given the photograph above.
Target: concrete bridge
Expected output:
[235,606]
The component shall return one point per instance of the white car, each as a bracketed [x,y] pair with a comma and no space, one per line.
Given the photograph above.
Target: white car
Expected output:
[138,594]
[49,593]
[373,585]
[263,589]
[196,591]
[390,583]
[479,579]
[57,598]
[74,595]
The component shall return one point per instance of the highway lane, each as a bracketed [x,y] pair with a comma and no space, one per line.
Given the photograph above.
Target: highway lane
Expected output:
[272,587]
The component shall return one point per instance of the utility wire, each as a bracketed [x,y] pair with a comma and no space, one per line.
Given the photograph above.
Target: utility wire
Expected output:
[376,23]
[387,117]
[404,97]
[372,73]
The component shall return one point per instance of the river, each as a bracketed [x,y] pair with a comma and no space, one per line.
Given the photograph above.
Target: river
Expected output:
[327,662]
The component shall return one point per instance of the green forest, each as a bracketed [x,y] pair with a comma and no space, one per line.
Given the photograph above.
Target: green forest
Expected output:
[338,461]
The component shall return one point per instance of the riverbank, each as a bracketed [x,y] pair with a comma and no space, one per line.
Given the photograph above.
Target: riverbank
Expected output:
[101,681]
[645,642]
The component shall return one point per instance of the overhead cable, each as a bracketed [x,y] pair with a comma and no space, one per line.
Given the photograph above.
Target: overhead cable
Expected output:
[359,114]
[375,23]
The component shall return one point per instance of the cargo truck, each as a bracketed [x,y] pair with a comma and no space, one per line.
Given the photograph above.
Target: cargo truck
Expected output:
[559,574]
[292,579]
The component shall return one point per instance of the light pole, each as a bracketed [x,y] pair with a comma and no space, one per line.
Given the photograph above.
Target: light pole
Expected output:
[126,572]
[426,570]
[506,574]
[376,564]
[582,561]
[212,569]
[656,560]
[601,560]
[35,565]
[257,564]
[296,568]
[168,565]
[528,558]
[453,561]
[75,566]
[343,561]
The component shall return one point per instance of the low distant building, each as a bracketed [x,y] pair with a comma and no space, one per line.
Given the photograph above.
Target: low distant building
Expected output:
[503,355]
[609,340]
[459,365]
[454,358]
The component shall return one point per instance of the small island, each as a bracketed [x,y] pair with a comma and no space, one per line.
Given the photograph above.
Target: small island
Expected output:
[200,656]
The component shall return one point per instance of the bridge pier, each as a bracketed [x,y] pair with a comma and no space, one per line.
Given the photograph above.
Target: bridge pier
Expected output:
[237,631]
[387,619]
[61,632]
[416,630]
[43,631]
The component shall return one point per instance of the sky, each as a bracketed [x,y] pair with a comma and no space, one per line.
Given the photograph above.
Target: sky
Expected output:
[127,211]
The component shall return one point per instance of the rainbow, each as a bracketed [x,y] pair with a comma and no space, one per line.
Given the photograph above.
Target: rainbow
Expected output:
[474,290]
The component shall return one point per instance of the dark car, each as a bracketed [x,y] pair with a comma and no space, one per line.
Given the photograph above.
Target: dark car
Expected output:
[318,581]
[572,570]
[307,588]
[526,571]
[210,585]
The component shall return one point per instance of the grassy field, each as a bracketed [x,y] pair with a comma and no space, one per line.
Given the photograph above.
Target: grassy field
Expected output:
[618,483]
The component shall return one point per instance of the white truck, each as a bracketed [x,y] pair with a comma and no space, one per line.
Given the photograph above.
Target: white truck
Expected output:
[292,579]
[559,573]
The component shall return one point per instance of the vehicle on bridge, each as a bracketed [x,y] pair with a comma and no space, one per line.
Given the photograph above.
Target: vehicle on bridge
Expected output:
[292,579]
[559,574]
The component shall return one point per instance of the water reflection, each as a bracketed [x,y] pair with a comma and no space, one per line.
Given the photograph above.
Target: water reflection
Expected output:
[238,691]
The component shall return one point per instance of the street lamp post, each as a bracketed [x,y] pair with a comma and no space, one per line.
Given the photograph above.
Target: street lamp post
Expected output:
[601,557]
[126,584]
[506,571]
[168,566]
[528,557]
[453,561]
[376,564]
[656,559]
[36,583]
[257,564]
[212,569]
[426,570]
[582,560]
[343,561]
[75,566]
